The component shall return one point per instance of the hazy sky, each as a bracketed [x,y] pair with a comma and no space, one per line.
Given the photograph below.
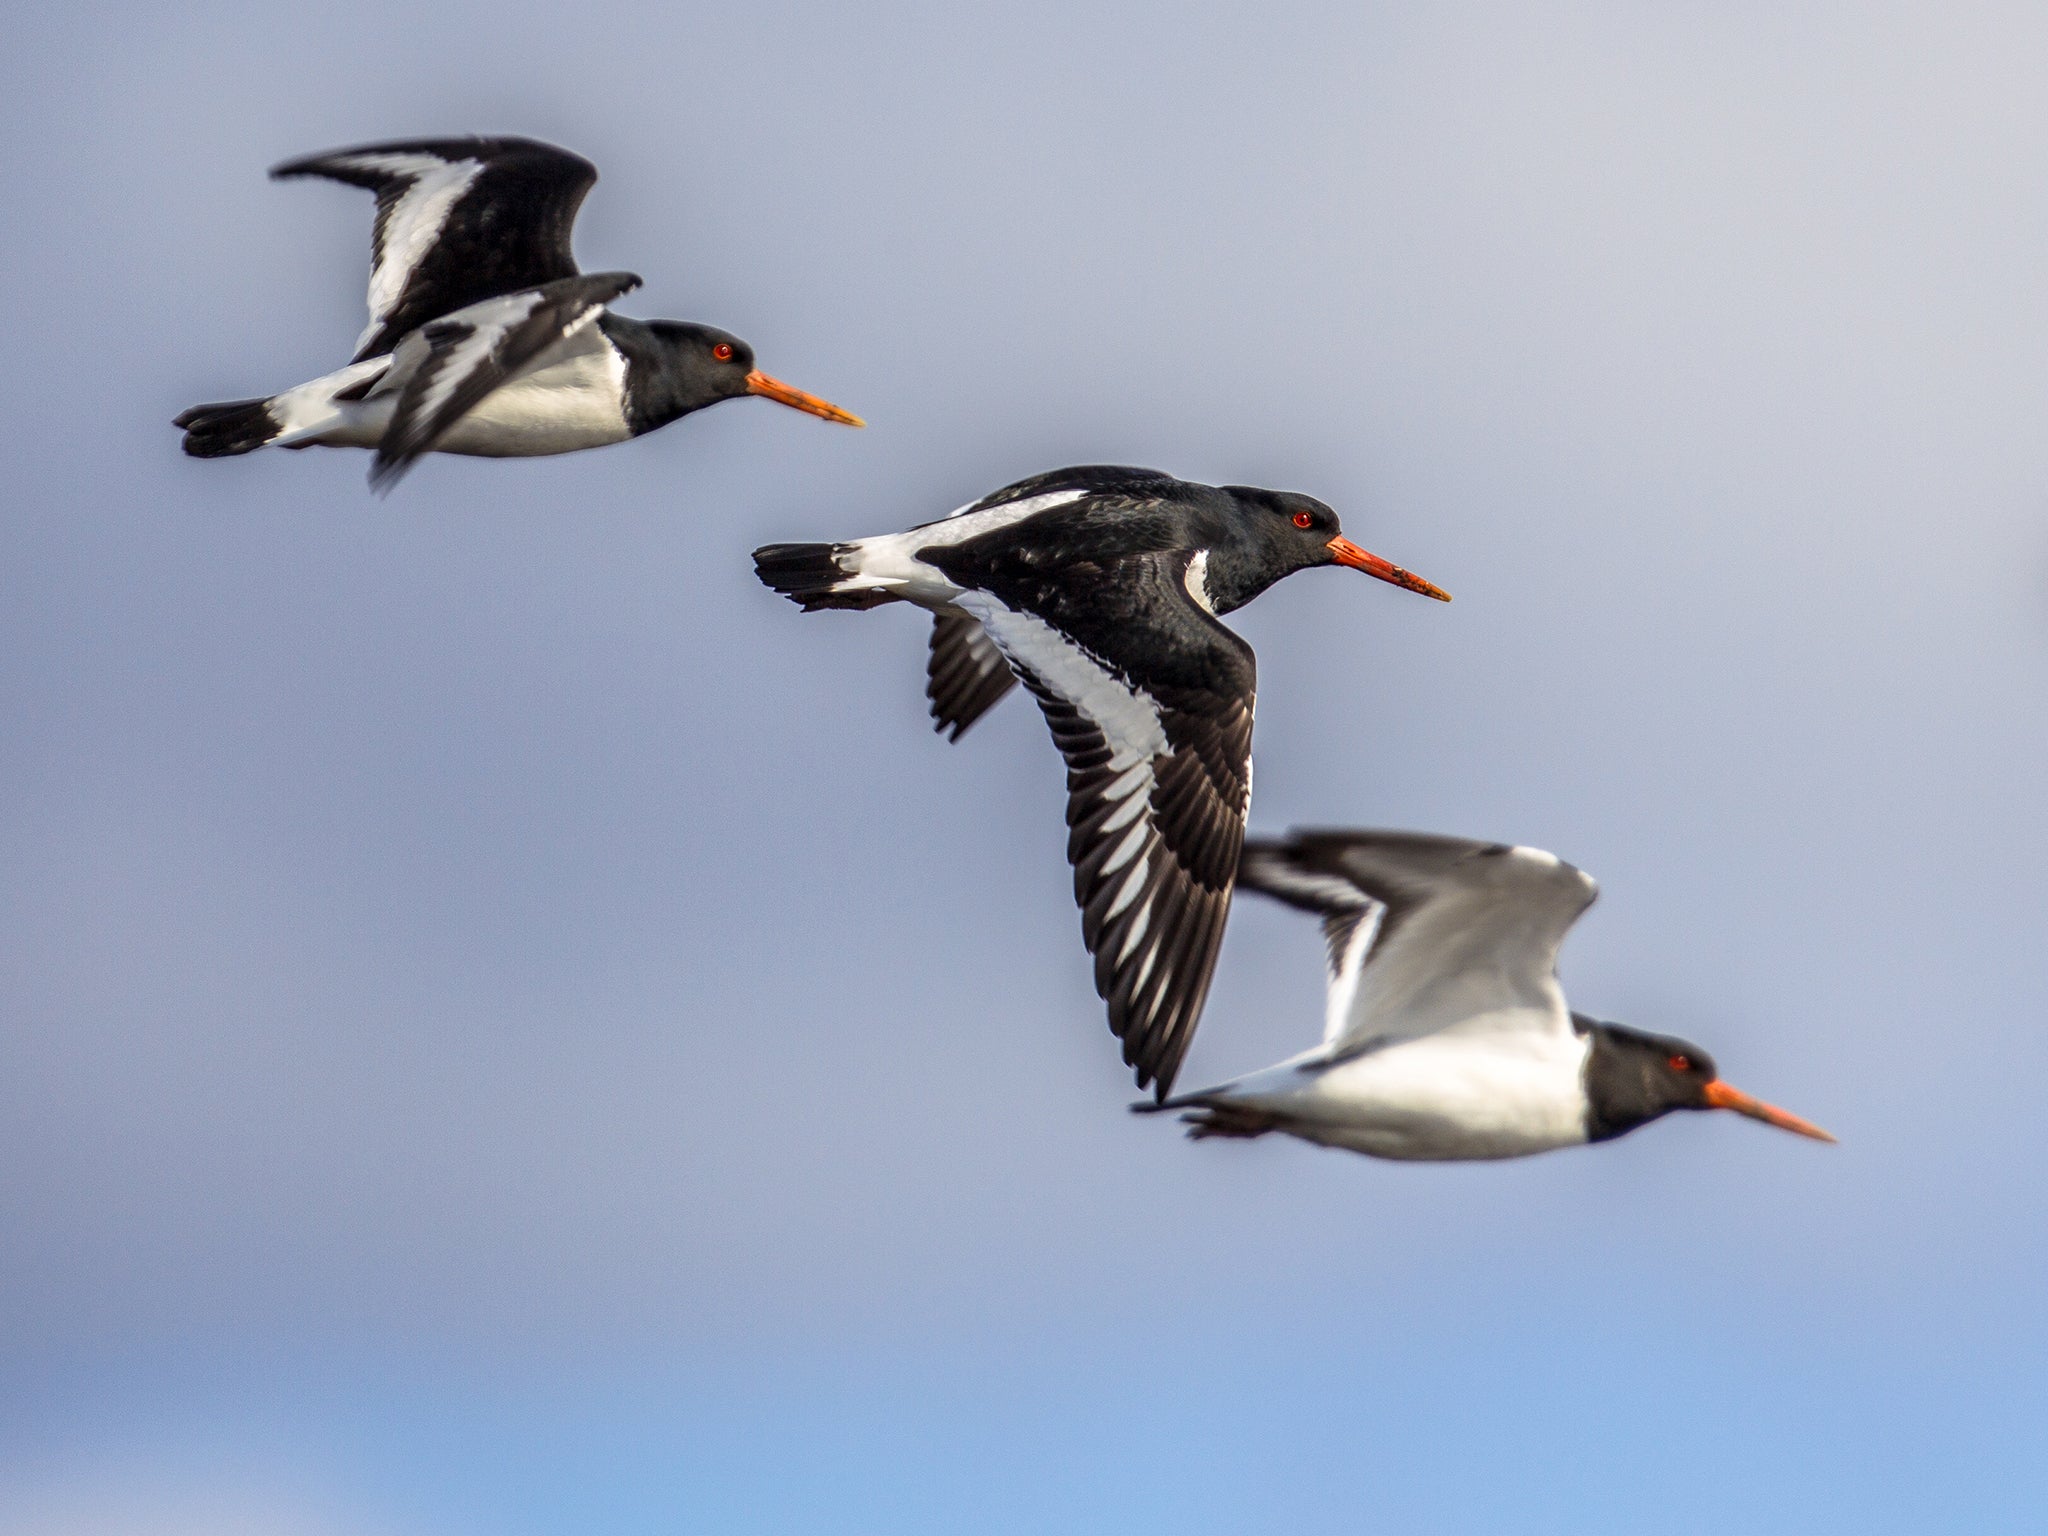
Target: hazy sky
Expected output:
[507,1027]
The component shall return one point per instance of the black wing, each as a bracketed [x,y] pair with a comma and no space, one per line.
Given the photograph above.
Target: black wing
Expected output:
[966,674]
[458,221]
[1157,743]
[452,363]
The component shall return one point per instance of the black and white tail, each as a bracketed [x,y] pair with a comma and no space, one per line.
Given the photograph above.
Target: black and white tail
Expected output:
[811,575]
[228,427]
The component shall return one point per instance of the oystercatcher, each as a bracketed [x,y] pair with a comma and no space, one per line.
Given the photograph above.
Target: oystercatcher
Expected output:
[1447,1036]
[1099,587]
[483,336]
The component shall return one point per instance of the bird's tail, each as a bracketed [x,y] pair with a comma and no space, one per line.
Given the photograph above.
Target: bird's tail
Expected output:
[228,427]
[306,413]
[814,575]
[1209,1116]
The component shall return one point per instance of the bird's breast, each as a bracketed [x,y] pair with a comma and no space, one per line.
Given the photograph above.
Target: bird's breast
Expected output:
[562,404]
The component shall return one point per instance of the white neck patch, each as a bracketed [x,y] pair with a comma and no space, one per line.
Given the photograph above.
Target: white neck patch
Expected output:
[1196,580]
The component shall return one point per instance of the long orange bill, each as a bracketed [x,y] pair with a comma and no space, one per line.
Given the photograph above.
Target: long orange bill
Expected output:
[1350,554]
[1721,1096]
[758,383]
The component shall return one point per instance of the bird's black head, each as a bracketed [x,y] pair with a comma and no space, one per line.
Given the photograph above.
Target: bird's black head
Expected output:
[1634,1077]
[1282,532]
[702,365]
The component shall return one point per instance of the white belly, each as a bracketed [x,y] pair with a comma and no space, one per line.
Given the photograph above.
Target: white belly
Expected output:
[573,399]
[559,408]
[1440,1098]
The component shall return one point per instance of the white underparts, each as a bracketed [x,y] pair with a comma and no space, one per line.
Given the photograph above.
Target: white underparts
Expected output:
[571,397]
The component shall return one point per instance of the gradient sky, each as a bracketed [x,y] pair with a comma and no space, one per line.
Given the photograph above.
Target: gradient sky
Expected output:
[507,1028]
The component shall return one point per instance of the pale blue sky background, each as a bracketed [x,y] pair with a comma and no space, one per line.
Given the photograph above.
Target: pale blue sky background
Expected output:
[506,1027]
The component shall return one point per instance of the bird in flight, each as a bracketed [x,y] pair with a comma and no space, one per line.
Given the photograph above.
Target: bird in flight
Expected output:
[1100,589]
[484,338]
[1446,1035]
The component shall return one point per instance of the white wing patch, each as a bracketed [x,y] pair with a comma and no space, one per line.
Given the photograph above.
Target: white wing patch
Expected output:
[414,224]
[1127,717]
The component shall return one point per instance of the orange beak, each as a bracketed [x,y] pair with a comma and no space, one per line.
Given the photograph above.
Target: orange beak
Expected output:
[758,383]
[1348,553]
[1721,1096]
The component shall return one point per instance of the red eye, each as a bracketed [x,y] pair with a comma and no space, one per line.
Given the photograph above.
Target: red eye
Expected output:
[1680,1063]
[723,351]
[1304,519]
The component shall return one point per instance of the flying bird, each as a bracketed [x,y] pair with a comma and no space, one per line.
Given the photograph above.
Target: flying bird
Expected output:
[1099,588]
[1447,1036]
[483,337]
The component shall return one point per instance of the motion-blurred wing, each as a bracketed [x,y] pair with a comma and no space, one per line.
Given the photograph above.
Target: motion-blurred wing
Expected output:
[1427,933]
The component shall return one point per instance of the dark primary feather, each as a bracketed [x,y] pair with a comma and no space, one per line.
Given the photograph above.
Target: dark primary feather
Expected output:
[510,230]
[965,676]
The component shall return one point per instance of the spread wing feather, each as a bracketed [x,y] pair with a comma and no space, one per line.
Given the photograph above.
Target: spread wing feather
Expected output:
[1158,784]
[966,675]
[458,221]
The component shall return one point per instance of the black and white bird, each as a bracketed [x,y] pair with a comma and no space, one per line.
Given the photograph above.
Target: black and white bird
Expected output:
[1447,1036]
[483,337]
[1099,588]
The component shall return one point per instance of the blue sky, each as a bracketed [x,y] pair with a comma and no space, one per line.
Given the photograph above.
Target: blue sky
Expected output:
[510,1028]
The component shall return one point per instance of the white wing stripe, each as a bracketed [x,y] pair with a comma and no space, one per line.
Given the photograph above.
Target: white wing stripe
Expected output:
[1131,807]
[1127,717]
[415,222]
[1134,882]
[1145,970]
[1127,849]
[1128,780]
[1138,926]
